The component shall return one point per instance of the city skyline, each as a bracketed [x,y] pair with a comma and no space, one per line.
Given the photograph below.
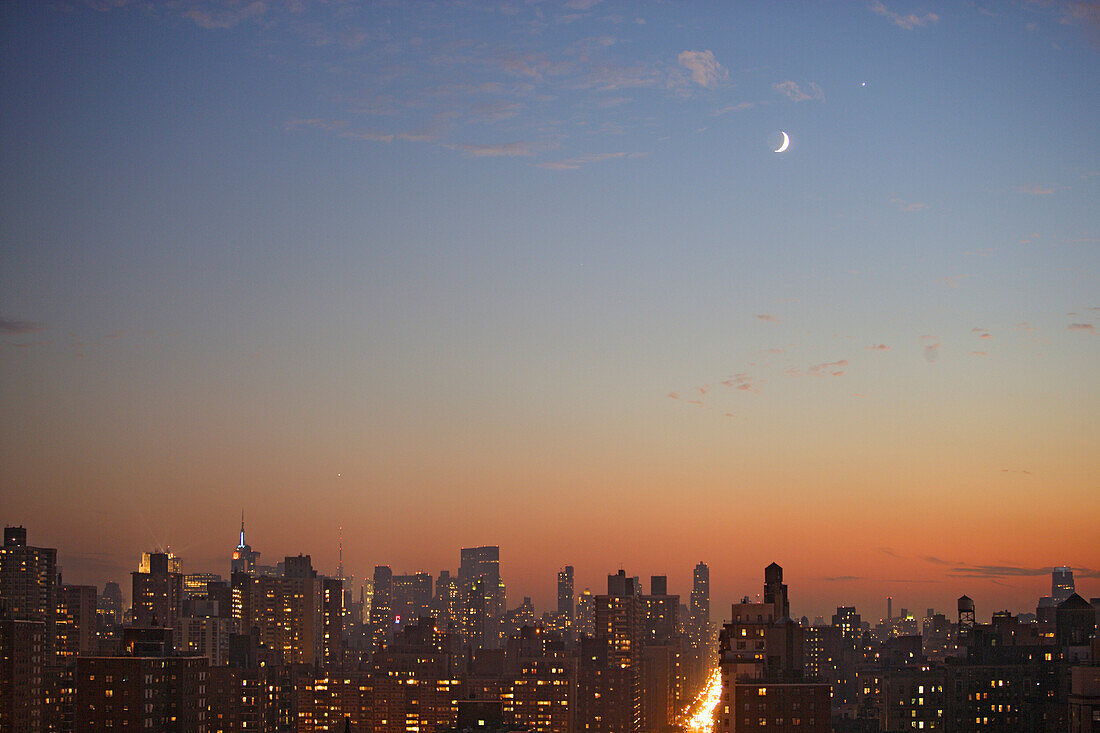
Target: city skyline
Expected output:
[544,592]
[532,275]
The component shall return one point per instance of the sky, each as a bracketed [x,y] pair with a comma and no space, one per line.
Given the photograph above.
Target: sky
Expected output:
[530,274]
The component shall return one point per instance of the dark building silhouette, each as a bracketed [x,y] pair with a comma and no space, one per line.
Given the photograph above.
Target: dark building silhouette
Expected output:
[28,584]
[762,664]
[23,661]
[619,618]
[482,595]
[565,592]
[699,630]
[76,620]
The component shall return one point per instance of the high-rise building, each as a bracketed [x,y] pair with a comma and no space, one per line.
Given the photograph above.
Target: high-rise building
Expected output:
[699,633]
[110,604]
[157,597]
[28,584]
[761,652]
[286,611]
[619,619]
[482,597]
[141,693]
[22,666]
[76,620]
[195,584]
[245,560]
[411,597]
[664,655]
[381,609]
[1061,584]
[175,564]
[586,614]
[565,592]
[445,603]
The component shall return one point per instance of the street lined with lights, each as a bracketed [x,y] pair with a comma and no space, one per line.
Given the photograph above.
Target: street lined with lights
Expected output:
[698,717]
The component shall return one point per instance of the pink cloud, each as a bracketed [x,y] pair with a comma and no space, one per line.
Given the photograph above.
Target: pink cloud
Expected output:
[909,21]
[767,317]
[705,69]
[1083,327]
[795,93]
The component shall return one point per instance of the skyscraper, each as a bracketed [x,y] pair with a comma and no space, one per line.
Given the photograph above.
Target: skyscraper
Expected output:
[482,597]
[244,559]
[158,594]
[619,625]
[1061,584]
[28,583]
[381,609]
[699,624]
[565,592]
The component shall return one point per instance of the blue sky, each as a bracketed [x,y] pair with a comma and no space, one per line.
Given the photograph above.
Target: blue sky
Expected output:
[485,253]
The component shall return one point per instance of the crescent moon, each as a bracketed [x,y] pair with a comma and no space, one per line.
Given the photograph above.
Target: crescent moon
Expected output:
[786,143]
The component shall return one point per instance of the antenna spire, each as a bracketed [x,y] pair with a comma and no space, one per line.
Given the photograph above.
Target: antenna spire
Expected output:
[340,545]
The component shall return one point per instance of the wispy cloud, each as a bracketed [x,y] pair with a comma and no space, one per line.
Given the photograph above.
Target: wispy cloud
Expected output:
[767,317]
[808,93]
[908,21]
[1033,189]
[834,368]
[908,205]
[503,150]
[878,347]
[225,15]
[18,328]
[1082,327]
[952,281]
[982,333]
[580,160]
[743,382]
[1012,571]
[931,348]
[705,69]
[739,107]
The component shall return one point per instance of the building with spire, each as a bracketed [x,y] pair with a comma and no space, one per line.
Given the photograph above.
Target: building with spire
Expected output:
[245,559]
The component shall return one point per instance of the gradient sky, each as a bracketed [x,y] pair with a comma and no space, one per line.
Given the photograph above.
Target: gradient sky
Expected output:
[529,274]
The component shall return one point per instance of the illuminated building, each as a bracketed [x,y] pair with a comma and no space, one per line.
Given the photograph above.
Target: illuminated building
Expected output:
[203,631]
[410,597]
[619,626]
[664,682]
[699,630]
[28,584]
[332,622]
[22,665]
[157,596]
[245,560]
[445,604]
[565,592]
[761,661]
[541,696]
[381,609]
[285,611]
[141,693]
[586,614]
[195,584]
[1061,584]
[76,620]
[110,604]
[175,564]
[482,597]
